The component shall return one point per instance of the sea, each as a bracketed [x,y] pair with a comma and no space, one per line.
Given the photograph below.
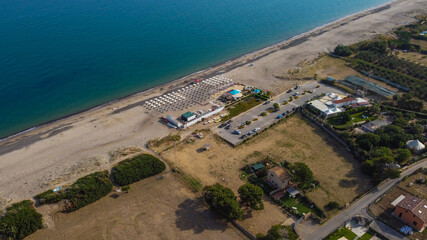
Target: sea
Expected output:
[61,57]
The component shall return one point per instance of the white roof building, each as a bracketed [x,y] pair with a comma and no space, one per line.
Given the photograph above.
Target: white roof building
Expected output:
[326,108]
[415,145]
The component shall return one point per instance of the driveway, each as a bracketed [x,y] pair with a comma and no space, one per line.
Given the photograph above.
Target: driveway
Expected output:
[360,208]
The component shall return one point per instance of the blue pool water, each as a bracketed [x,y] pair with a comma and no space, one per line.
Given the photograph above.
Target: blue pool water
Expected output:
[60,57]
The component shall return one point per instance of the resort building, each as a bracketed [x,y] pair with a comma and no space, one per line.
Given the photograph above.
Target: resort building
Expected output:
[188,116]
[333,103]
[278,177]
[411,210]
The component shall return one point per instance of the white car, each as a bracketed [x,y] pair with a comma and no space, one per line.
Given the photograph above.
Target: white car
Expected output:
[256,129]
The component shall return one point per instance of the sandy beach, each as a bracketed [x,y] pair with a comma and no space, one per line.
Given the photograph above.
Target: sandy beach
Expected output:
[60,152]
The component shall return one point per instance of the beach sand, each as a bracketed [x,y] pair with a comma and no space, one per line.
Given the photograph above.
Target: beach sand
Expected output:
[62,151]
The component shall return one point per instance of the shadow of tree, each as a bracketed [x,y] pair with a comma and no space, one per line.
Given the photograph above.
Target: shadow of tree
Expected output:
[193,214]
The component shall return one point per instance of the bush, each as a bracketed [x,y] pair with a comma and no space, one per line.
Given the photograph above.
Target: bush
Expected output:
[87,190]
[248,122]
[263,114]
[251,195]
[343,51]
[50,197]
[331,206]
[21,220]
[278,232]
[137,168]
[223,200]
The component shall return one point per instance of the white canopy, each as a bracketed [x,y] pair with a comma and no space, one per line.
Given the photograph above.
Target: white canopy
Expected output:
[415,144]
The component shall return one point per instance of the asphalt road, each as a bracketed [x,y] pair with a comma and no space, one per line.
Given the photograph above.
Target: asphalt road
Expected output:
[266,121]
[361,206]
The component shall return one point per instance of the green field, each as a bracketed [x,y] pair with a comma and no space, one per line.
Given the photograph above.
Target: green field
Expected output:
[343,232]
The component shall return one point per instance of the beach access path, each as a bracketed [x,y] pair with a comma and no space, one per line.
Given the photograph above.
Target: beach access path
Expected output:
[270,118]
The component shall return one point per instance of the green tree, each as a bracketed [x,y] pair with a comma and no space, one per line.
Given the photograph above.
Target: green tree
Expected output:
[223,200]
[276,105]
[302,173]
[368,167]
[251,195]
[392,173]
[368,141]
[381,151]
[343,51]
[402,155]
[375,109]
[417,129]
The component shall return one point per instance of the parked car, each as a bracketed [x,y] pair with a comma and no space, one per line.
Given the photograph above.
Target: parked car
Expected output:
[256,129]
[237,132]
[244,136]
[250,133]
[279,117]
[297,87]
[289,91]
[228,126]
[267,102]
[222,125]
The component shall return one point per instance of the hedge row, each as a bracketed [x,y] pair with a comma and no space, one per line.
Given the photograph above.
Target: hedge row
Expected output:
[137,168]
[84,191]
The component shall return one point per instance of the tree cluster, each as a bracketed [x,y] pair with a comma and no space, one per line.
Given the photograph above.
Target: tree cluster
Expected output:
[251,195]
[302,175]
[21,220]
[137,168]
[223,200]
[343,51]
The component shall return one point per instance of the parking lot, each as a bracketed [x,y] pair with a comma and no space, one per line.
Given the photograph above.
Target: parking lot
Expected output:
[270,118]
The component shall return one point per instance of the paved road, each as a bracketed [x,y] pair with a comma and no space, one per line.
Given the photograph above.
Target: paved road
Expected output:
[266,121]
[360,207]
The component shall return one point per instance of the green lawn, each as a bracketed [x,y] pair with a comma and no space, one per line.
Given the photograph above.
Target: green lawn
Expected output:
[343,232]
[242,106]
[357,117]
[293,202]
[366,236]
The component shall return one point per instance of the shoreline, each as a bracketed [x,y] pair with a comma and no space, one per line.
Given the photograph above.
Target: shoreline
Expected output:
[235,62]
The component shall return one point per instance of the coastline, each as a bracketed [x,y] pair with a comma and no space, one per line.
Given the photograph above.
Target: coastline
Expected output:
[64,150]
[236,62]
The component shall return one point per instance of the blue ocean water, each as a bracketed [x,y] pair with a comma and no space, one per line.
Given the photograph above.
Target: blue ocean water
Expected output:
[60,57]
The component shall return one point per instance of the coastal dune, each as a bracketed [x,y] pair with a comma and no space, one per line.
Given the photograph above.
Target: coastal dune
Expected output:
[62,151]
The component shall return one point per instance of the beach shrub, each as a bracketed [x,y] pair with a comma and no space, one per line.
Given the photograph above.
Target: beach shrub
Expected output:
[251,195]
[343,51]
[137,168]
[223,200]
[87,189]
[21,220]
[50,197]
[84,191]
[263,114]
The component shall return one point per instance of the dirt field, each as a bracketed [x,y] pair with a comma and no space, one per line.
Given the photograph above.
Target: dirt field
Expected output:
[155,208]
[414,56]
[293,140]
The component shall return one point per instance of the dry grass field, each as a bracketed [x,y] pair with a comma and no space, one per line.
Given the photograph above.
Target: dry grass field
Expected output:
[295,139]
[159,207]
[415,57]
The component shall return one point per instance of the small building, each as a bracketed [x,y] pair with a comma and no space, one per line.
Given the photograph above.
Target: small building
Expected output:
[371,127]
[415,145]
[344,102]
[293,192]
[235,94]
[257,167]
[188,116]
[278,177]
[413,211]
[325,109]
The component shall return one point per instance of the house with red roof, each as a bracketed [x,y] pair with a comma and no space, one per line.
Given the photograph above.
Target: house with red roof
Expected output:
[411,210]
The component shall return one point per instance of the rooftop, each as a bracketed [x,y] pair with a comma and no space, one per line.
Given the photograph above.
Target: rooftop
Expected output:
[280,172]
[416,205]
[345,100]
[188,114]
